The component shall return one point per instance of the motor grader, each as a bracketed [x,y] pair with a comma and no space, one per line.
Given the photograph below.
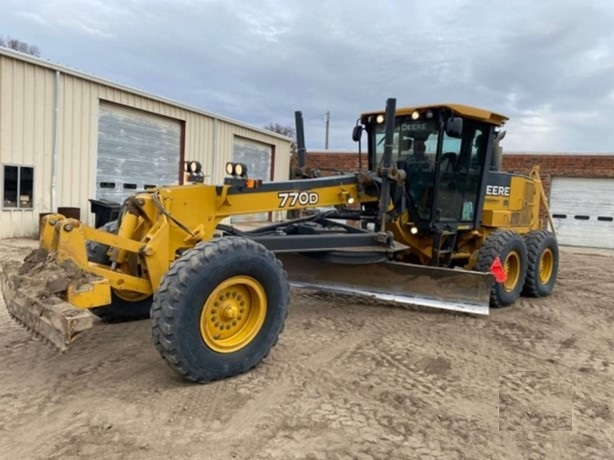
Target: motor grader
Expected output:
[432,221]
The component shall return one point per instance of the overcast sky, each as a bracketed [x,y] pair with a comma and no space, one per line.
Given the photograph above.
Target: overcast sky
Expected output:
[548,65]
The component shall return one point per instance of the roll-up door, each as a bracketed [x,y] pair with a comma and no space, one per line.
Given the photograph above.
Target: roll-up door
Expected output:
[136,150]
[583,211]
[258,158]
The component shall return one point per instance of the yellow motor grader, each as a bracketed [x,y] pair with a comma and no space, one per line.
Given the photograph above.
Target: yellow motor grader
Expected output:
[432,221]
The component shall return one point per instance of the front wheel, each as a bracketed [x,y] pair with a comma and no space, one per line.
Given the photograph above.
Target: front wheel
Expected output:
[220,309]
[509,247]
[125,306]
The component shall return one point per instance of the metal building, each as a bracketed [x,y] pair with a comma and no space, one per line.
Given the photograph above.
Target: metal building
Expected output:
[67,137]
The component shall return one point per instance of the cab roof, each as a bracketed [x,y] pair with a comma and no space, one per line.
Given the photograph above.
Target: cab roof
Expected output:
[465,111]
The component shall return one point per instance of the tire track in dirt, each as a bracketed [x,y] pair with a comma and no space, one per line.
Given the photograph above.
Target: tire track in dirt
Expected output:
[334,413]
[535,401]
[347,380]
[535,340]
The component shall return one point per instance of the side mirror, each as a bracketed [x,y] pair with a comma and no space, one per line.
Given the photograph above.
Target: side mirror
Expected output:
[356,133]
[454,127]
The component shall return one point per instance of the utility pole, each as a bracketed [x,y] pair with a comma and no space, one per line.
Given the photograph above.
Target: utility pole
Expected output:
[327,129]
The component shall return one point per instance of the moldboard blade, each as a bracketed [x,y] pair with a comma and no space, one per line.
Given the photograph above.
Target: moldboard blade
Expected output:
[448,289]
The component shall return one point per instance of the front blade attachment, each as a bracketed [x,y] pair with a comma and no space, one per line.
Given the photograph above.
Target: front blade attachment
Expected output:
[400,283]
[43,313]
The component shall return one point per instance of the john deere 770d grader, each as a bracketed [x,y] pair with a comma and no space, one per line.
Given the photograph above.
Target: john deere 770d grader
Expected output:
[432,221]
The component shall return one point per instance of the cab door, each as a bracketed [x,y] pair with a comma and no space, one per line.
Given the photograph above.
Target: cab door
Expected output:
[460,175]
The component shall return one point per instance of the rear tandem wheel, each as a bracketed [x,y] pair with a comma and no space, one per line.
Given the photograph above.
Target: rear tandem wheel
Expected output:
[510,248]
[220,309]
[543,263]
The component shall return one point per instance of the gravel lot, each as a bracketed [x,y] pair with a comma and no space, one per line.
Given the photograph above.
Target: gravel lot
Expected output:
[346,380]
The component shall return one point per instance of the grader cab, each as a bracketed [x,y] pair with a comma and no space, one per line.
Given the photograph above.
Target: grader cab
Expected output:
[432,222]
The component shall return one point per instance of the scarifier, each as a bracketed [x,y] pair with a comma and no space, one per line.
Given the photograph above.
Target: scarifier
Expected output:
[430,222]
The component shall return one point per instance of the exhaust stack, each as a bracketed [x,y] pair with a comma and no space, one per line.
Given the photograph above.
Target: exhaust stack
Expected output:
[497,151]
[300,143]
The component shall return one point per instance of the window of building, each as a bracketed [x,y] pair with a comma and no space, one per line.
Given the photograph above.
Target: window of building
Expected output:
[18,187]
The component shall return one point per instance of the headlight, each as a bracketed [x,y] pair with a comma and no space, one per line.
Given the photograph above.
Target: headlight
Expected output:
[195,167]
[379,118]
[240,170]
[415,115]
[236,169]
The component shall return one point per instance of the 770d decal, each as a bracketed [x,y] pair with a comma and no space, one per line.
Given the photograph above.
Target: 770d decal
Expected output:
[300,198]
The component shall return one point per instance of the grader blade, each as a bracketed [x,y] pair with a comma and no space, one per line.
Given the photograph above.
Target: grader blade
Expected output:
[42,312]
[400,283]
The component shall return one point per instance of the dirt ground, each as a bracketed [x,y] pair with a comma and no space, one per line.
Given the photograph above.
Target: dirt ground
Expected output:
[347,380]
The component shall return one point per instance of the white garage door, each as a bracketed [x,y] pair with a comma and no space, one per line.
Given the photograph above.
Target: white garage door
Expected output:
[258,158]
[583,211]
[136,150]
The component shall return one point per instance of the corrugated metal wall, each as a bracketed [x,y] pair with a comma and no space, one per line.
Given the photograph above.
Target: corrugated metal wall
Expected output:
[27,92]
[26,136]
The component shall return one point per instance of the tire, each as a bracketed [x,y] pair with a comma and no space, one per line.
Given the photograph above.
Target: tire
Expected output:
[128,307]
[542,264]
[199,325]
[97,252]
[509,247]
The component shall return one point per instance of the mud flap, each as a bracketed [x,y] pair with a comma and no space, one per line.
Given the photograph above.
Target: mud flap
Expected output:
[51,319]
[448,289]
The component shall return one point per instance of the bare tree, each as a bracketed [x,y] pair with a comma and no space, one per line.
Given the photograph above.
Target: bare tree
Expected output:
[20,46]
[285,131]
[280,129]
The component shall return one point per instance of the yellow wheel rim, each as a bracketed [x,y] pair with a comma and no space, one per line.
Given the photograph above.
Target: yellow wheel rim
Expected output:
[233,314]
[546,266]
[512,269]
[131,296]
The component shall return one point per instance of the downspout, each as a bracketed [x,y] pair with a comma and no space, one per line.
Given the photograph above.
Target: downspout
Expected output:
[56,135]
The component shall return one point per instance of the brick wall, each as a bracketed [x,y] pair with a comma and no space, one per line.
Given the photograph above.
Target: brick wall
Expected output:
[331,162]
[559,165]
